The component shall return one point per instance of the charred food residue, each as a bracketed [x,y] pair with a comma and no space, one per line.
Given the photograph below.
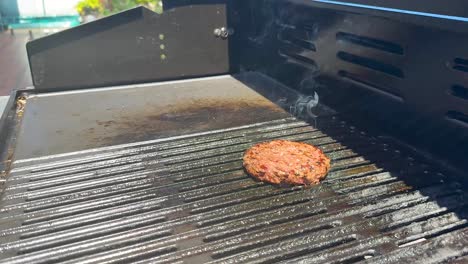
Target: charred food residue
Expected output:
[20,105]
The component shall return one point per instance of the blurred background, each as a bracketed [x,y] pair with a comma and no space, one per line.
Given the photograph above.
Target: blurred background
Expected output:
[24,20]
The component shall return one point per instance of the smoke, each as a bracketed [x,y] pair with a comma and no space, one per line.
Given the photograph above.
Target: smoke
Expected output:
[304,105]
[273,23]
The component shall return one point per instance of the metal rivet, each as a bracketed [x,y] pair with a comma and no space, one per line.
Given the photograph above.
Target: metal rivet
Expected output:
[217,32]
[163,56]
[162,46]
[161,36]
[223,32]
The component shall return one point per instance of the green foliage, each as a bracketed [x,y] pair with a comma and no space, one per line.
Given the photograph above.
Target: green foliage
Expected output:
[85,7]
[120,5]
[113,6]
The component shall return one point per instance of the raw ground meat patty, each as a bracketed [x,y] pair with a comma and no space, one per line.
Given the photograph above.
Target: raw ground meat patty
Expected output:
[286,162]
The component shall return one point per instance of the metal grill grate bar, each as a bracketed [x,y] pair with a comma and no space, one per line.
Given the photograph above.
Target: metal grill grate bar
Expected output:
[188,199]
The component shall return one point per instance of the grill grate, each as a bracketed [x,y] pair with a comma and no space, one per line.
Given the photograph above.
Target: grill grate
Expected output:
[187,199]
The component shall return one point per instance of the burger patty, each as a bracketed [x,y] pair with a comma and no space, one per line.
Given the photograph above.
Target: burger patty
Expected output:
[286,162]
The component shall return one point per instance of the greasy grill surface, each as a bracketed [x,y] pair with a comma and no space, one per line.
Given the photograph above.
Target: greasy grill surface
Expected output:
[188,200]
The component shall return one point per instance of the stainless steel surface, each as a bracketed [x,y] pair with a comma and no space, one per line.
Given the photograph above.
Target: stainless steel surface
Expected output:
[3,103]
[187,200]
[56,123]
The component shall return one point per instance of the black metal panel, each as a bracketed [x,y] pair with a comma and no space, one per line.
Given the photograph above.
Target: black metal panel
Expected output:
[432,20]
[412,78]
[135,46]
[452,8]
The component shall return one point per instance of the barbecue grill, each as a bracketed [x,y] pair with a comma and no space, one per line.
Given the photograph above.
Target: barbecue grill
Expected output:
[128,149]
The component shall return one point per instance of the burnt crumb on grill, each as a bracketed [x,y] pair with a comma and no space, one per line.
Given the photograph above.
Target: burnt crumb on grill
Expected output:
[20,105]
[286,163]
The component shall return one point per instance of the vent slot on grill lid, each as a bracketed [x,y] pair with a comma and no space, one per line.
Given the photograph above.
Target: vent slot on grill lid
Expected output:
[460,64]
[309,25]
[296,37]
[371,64]
[370,43]
[458,117]
[459,91]
[299,42]
[362,82]
[303,60]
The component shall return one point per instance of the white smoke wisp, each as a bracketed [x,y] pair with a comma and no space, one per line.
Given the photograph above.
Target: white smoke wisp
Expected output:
[305,105]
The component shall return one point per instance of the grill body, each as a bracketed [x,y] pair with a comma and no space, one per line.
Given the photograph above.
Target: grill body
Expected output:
[186,198]
[152,172]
